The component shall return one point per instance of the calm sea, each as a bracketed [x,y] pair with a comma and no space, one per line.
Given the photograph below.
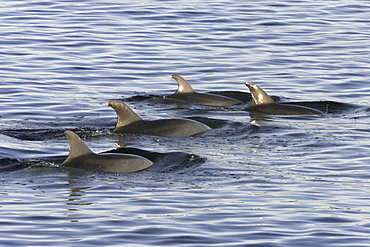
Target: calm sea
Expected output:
[274,181]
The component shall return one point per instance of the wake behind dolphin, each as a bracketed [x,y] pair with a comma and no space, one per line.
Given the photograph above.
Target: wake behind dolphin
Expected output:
[263,103]
[81,156]
[129,122]
[185,93]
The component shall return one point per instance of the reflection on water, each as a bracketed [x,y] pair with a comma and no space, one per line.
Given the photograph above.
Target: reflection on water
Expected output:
[74,197]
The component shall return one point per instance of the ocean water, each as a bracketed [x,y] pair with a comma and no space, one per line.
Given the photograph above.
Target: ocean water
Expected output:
[249,181]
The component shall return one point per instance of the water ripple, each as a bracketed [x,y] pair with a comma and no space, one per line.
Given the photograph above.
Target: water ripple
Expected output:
[273,181]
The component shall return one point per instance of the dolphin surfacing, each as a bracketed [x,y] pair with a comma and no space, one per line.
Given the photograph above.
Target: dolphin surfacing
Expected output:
[81,156]
[263,103]
[186,93]
[129,122]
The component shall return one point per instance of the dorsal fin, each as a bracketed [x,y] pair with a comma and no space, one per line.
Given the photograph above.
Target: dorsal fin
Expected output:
[183,85]
[76,146]
[259,96]
[124,113]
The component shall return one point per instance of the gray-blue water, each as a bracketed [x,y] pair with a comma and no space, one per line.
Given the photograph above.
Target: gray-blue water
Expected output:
[279,181]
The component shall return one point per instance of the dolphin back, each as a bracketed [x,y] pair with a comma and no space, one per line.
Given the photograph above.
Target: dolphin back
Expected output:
[76,146]
[262,103]
[81,156]
[183,85]
[283,109]
[125,115]
[206,99]
[165,127]
[259,96]
[185,93]
[122,163]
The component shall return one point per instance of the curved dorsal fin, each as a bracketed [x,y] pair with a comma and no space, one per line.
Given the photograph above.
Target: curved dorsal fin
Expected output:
[76,146]
[183,85]
[124,113]
[259,96]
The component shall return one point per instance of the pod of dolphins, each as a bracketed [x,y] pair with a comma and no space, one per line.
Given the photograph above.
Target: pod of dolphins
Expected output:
[81,156]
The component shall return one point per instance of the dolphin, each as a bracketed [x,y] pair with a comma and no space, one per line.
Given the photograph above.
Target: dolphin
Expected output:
[81,156]
[262,103]
[129,122]
[186,93]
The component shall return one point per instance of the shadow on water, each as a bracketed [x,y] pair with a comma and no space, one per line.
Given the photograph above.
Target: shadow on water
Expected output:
[165,162]
[34,134]
[9,165]
[330,107]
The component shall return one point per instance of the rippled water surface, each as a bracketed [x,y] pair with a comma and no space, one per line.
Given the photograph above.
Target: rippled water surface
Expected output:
[265,181]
